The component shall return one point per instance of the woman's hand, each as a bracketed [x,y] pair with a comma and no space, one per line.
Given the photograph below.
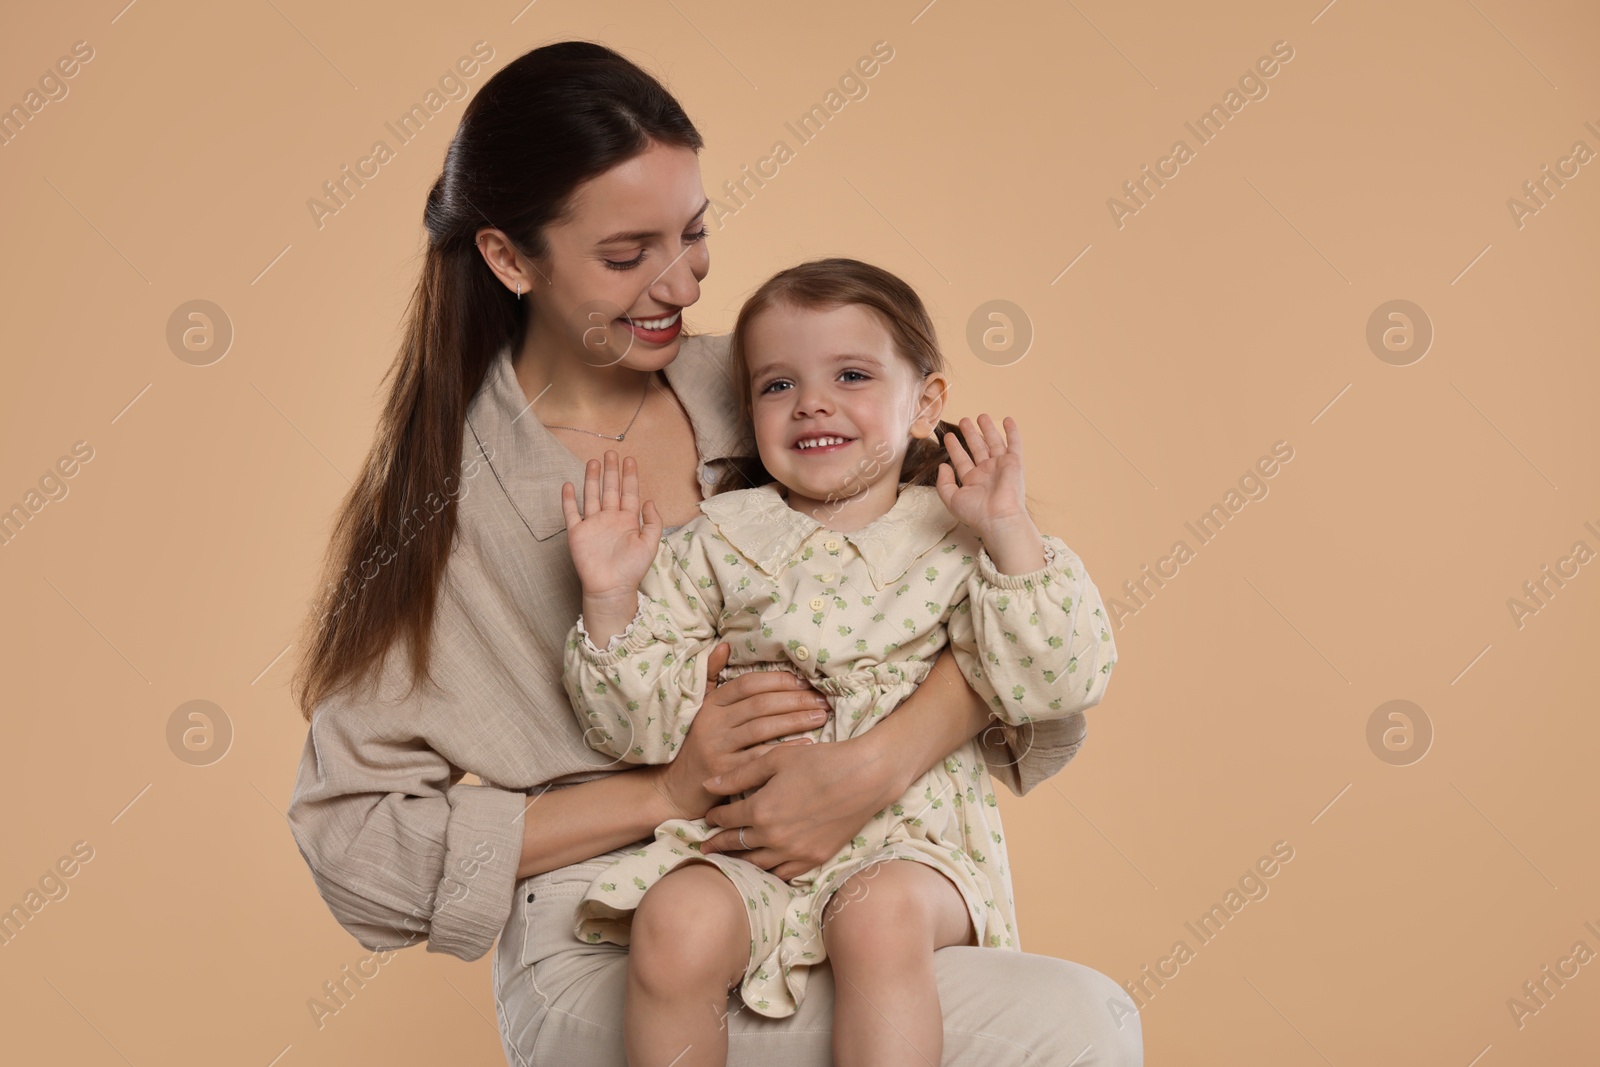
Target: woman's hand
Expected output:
[738,722]
[812,800]
[991,498]
[610,550]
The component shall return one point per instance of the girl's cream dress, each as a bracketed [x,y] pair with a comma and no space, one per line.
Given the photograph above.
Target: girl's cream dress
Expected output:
[860,616]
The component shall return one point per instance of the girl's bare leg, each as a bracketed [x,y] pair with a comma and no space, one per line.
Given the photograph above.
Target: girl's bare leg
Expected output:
[690,944]
[881,929]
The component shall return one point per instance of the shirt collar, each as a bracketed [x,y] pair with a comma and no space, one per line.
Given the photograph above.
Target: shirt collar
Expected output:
[530,463]
[759,523]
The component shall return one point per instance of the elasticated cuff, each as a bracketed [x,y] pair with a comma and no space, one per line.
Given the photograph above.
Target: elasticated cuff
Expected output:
[1060,564]
[629,640]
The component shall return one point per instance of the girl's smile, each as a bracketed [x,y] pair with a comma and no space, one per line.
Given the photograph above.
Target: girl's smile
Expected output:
[822,444]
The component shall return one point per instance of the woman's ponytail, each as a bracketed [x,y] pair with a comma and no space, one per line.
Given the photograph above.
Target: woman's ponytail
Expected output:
[549,121]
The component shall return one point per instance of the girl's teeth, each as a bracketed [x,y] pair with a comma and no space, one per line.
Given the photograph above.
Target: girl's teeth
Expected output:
[822,441]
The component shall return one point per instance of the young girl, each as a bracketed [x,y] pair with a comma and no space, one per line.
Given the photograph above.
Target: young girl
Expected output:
[851,558]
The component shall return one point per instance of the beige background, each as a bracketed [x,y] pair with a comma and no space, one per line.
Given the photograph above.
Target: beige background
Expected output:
[1229,313]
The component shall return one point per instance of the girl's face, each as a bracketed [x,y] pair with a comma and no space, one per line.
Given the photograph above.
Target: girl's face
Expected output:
[624,262]
[833,375]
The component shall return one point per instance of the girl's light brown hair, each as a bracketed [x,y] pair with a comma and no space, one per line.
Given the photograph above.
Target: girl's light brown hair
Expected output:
[821,284]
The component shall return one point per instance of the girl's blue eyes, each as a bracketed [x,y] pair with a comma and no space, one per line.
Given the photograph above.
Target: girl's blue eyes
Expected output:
[699,235]
[784,381]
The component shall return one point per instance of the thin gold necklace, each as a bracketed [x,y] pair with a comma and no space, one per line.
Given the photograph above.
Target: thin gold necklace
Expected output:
[624,433]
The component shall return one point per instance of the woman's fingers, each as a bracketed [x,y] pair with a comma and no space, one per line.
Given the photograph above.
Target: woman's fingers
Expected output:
[728,841]
[759,699]
[768,859]
[751,683]
[749,775]
[768,728]
[735,813]
[715,661]
[723,842]
[787,871]
[761,857]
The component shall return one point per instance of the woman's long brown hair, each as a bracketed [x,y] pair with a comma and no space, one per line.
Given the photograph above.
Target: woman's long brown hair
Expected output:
[547,122]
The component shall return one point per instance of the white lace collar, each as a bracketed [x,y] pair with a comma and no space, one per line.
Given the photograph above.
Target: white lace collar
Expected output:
[766,529]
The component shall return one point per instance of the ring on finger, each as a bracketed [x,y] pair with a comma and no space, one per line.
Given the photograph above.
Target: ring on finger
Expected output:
[742,843]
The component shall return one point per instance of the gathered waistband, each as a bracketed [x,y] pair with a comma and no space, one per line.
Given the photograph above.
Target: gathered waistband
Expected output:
[877,676]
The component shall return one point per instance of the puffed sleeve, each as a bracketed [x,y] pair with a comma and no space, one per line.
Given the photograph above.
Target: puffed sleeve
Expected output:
[1037,647]
[636,697]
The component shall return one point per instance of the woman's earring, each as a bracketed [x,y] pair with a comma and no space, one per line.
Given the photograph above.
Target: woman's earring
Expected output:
[519,290]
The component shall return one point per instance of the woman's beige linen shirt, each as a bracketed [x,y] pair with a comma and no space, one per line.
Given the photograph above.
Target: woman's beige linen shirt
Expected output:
[399,846]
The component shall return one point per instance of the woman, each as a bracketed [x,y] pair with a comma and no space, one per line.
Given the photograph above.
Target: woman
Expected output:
[566,236]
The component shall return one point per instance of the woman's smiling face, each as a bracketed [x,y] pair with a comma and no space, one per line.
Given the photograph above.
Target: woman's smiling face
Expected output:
[624,261]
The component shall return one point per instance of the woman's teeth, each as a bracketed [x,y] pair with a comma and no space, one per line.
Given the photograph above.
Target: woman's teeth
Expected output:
[656,324]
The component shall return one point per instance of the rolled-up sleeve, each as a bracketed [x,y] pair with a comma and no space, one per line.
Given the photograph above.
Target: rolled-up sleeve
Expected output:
[399,847]
[1023,756]
[399,844]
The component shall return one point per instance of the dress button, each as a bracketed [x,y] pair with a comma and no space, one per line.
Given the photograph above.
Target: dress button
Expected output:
[830,576]
[816,603]
[802,652]
[831,544]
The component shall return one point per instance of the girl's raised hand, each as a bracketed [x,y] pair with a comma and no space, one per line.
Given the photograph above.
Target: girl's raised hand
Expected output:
[990,496]
[609,548]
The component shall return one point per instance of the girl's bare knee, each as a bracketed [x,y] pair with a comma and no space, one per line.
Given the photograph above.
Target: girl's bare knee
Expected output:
[894,906]
[689,931]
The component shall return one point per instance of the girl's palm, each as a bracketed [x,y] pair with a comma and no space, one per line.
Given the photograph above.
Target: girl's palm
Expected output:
[991,492]
[609,548]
